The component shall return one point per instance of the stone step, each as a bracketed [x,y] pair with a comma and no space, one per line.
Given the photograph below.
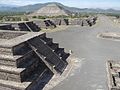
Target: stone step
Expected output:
[6,27]
[33,26]
[19,49]
[17,60]
[17,74]
[59,51]
[8,60]
[33,83]
[43,49]
[65,56]
[41,24]
[47,40]
[54,46]
[23,26]
[6,51]
[10,73]
[61,66]
[85,23]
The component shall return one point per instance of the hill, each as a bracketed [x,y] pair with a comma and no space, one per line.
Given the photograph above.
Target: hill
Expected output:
[51,10]
[35,7]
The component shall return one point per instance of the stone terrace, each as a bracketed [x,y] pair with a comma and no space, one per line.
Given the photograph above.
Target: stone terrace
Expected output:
[29,60]
[113,72]
[23,26]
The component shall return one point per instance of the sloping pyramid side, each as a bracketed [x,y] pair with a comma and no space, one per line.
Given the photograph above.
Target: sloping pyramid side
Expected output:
[51,10]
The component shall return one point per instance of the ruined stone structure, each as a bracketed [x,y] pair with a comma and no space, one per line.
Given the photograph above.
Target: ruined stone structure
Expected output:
[24,26]
[45,24]
[75,22]
[6,27]
[56,21]
[90,21]
[85,22]
[37,25]
[28,60]
[113,73]
[64,22]
[60,21]
[51,10]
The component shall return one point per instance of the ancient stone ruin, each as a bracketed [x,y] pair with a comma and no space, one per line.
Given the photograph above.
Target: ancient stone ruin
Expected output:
[45,24]
[83,22]
[6,27]
[37,25]
[113,73]
[51,10]
[22,26]
[75,22]
[29,60]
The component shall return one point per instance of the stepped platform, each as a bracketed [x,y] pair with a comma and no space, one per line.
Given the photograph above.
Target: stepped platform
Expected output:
[6,27]
[45,24]
[113,73]
[29,60]
[23,26]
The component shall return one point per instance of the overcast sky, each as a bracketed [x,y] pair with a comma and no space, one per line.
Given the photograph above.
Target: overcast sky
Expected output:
[73,3]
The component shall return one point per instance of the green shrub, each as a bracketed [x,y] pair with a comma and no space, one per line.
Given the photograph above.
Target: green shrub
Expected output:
[25,19]
[34,16]
[41,17]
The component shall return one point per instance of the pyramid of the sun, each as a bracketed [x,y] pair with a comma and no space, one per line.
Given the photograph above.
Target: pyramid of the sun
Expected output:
[51,10]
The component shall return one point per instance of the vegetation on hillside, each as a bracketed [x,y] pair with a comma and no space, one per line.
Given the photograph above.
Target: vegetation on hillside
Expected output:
[13,16]
[117,15]
[2,14]
[76,15]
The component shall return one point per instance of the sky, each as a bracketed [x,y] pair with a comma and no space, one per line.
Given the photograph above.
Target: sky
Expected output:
[72,3]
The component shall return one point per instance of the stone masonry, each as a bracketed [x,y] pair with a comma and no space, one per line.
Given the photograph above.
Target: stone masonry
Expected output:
[6,27]
[29,60]
[113,73]
[23,26]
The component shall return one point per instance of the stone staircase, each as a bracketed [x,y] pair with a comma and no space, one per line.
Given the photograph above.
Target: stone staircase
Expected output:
[20,27]
[6,27]
[50,24]
[33,26]
[24,26]
[45,24]
[26,65]
[54,56]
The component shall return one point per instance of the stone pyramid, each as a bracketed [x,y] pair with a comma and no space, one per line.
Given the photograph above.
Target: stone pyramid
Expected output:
[51,10]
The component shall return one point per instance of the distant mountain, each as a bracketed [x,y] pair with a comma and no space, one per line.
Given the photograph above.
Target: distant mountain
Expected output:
[35,7]
[51,10]
[7,8]
[6,5]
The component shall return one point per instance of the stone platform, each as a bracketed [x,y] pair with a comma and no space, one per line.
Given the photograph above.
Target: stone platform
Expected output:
[6,27]
[113,73]
[29,60]
[21,26]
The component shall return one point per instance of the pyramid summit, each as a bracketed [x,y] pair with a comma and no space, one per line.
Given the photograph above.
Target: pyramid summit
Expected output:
[51,10]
